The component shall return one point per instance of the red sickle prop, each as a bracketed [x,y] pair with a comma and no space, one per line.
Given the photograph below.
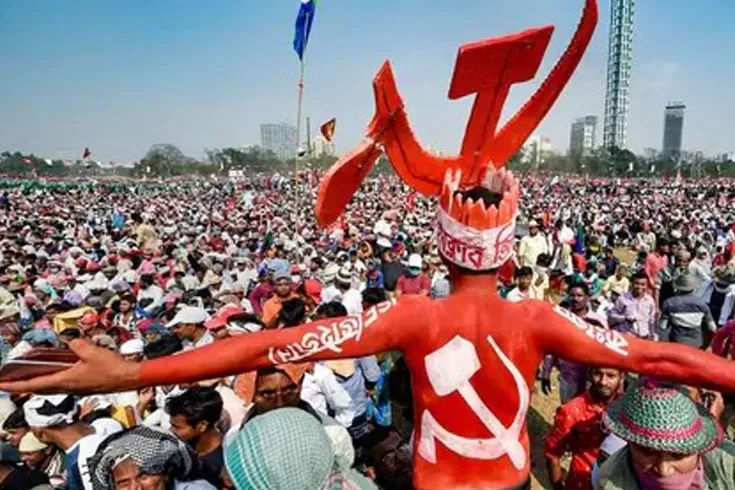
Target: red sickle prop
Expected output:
[485,68]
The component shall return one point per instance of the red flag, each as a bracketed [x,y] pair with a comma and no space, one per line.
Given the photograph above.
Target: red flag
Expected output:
[328,129]
[86,154]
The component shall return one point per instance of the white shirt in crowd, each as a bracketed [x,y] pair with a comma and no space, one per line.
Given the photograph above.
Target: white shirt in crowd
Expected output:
[151,292]
[531,247]
[352,301]
[331,293]
[78,457]
[323,392]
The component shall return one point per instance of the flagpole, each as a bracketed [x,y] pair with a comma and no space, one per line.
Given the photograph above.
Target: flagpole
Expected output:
[298,113]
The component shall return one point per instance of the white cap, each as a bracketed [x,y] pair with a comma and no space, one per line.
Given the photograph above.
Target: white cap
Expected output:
[30,443]
[189,314]
[414,261]
[132,346]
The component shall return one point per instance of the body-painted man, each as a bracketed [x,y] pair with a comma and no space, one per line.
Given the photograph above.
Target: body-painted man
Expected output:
[473,356]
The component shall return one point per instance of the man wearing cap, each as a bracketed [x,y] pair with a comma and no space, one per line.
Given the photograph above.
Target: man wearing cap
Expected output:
[283,291]
[350,297]
[54,420]
[414,281]
[330,292]
[686,318]
[532,245]
[673,443]
[188,325]
[132,350]
[231,321]
[40,456]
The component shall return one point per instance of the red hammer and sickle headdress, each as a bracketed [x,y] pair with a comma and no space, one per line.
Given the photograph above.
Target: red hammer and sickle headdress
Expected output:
[487,69]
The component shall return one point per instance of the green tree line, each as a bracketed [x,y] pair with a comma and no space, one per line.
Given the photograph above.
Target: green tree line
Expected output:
[166,160]
[162,160]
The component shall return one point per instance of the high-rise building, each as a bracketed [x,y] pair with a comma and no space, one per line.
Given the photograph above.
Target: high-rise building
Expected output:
[536,150]
[619,71]
[673,130]
[279,138]
[583,136]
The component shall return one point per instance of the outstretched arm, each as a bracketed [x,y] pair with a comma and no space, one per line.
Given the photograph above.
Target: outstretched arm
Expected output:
[387,326]
[559,332]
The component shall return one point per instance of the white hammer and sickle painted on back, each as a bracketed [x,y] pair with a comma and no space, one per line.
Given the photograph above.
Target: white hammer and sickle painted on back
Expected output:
[461,355]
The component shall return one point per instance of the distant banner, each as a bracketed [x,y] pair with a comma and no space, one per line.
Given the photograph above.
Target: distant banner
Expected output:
[328,129]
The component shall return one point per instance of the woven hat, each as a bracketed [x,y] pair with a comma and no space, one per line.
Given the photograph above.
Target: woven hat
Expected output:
[662,418]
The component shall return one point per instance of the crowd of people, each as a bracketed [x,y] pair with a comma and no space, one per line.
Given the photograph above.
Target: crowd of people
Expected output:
[150,271]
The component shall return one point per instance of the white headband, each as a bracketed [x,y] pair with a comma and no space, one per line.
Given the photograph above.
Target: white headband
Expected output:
[473,249]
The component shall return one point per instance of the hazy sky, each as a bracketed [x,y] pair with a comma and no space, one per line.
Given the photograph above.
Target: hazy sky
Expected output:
[121,75]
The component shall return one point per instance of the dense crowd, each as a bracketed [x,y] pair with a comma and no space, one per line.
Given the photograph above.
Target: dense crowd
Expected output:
[149,271]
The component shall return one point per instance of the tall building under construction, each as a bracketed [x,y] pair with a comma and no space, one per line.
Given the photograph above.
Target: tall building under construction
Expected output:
[619,71]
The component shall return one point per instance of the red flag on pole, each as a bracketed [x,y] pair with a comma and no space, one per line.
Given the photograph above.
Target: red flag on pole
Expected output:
[86,154]
[328,128]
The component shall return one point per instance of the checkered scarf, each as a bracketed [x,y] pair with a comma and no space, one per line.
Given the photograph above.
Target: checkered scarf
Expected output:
[154,452]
